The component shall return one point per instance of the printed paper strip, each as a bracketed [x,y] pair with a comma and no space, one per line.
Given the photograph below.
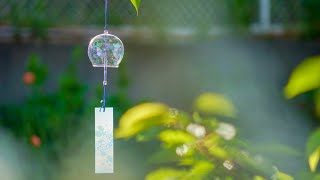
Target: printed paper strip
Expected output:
[104,140]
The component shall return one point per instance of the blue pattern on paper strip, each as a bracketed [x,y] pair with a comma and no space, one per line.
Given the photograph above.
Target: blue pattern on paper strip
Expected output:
[104,141]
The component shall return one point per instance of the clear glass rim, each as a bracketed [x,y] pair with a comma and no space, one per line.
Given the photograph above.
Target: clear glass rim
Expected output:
[111,66]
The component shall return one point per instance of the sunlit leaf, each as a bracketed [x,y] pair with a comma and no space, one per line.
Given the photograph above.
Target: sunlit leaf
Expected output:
[200,170]
[314,160]
[183,119]
[313,142]
[313,149]
[140,118]
[176,137]
[215,104]
[258,178]
[211,142]
[166,174]
[136,4]
[211,123]
[188,161]
[196,117]
[304,78]
[283,176]
[218,152]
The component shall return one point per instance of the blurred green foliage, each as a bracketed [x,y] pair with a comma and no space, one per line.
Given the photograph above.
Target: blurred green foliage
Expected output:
[306,78]
[48,117]
[37,15]
[197,146]
[243,12]
[311,17]
[48,122]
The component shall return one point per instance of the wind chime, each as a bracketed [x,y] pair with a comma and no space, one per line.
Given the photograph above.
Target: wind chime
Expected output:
[104,50]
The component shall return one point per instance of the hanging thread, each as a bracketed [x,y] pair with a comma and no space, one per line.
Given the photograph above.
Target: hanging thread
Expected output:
[106,17]
[105,59]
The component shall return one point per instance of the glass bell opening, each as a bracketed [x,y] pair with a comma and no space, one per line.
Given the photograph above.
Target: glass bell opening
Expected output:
[106,47]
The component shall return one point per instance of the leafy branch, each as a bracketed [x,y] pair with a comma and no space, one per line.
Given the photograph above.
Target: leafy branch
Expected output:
[201,145]
[306,78]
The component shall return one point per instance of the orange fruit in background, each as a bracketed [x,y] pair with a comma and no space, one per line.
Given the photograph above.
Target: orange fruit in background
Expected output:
[29,78]
[35,140]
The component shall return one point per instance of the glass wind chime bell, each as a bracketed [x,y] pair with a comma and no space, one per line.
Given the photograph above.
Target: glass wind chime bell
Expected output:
[104,50]
[106,47]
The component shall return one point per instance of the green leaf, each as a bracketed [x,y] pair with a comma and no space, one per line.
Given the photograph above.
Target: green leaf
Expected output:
[211,142]
[218,152]
[164,156]
[314,160]
[313,150]
[316,177]
[136,4]
[200,170]
[258,178]
[166,174]
[211,103]
[176,137]
[187,161]
[305,77]
[148,134]
[142,117]
[283,176]
[313,142]
[307,175]
[317,103]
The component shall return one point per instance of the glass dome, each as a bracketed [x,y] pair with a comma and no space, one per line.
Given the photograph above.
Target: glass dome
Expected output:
[106,44]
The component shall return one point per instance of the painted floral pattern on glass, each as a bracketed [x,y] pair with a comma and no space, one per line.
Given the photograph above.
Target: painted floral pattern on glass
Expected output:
[105,44]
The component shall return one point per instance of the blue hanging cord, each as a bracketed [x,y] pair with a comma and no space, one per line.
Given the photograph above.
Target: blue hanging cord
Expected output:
[106,17]
[105,60]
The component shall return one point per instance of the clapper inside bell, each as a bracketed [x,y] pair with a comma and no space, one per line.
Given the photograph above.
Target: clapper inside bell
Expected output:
[104,140]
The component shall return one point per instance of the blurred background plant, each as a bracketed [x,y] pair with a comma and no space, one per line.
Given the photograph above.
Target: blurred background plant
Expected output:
[43,121]
[198,146]
[32,14]
[39,15]
[305,82]
[311,17]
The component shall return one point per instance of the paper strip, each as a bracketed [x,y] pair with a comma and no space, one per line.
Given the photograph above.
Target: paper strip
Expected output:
[104,140]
